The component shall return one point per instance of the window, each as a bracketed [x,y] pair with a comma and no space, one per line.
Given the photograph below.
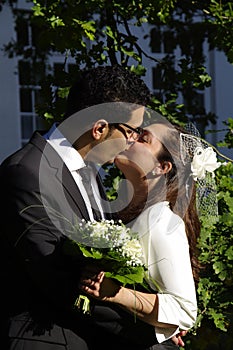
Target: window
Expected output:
[156,40]
[29,76]
[162,40]
[32,69]
[30,73]
[157,78]
[195,105]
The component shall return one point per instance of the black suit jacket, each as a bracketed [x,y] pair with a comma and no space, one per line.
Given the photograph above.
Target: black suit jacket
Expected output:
[40,202]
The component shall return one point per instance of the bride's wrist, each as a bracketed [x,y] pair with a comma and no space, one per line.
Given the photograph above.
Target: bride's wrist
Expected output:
[119,296]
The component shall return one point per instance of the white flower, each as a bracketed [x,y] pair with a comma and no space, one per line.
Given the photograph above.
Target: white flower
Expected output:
[132,249]
[103,234]
[98,230]
[115,236]
[204,160]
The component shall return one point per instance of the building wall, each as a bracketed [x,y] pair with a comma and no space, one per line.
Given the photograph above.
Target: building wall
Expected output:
[224,94]
[218,98]
[10,138]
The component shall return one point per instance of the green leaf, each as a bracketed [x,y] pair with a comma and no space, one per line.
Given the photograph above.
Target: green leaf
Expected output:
[56,21]
[229,253]
[139,69]
[37,9]
[63,92]
[95,254]
[129,278]
[88,27]
[48,116]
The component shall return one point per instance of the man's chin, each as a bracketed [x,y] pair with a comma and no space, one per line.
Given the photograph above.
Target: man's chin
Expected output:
[111,161]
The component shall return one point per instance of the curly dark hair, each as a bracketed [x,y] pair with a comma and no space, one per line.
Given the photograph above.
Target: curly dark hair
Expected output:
[106,84]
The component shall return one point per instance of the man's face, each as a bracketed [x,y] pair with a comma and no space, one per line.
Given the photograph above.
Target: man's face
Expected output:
[117,138]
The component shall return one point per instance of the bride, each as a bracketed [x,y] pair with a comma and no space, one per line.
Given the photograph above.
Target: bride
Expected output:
[168,227]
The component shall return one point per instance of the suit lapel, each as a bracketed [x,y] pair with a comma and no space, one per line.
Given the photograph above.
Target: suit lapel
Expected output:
[61,172]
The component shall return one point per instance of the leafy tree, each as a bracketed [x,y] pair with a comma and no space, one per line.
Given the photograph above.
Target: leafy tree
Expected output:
[103,32]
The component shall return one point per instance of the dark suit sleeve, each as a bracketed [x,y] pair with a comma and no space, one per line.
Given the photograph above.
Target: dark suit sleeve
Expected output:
[32,234]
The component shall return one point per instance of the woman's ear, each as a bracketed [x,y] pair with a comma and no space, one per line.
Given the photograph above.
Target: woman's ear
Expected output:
[162,168]
[99,129]
[166,167]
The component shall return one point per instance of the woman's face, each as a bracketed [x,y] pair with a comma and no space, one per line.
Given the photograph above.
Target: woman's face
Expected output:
[141,156]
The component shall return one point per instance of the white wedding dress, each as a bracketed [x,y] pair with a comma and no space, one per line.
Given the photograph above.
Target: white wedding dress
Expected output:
[166,253]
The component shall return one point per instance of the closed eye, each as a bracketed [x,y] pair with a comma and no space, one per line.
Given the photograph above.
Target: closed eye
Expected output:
[144,137]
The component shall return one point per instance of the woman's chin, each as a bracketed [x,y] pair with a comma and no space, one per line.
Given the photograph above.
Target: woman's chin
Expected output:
[121,160]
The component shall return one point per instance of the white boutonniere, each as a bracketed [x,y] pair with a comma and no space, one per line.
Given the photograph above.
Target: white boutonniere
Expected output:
[204,160]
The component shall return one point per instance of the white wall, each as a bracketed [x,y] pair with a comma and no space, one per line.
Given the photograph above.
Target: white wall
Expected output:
[220,96]
[9,99]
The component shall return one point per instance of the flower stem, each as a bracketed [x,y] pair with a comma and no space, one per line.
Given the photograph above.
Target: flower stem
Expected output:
[82,303]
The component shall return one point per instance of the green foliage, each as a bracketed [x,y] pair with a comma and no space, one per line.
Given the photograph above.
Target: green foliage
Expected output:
[103,32]
[228,140]
[111,181]
[220,16]
[215,288]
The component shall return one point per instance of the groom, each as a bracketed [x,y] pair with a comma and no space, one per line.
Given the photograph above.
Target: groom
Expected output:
[43,194]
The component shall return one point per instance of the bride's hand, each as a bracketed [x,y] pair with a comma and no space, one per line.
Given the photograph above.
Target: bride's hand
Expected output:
[177,339]
[94,283]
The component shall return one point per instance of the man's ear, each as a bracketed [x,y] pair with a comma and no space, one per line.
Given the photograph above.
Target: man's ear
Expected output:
[99,129]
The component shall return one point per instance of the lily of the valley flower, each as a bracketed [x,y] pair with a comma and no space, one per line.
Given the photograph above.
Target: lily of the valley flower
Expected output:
[132,249]
[204,160]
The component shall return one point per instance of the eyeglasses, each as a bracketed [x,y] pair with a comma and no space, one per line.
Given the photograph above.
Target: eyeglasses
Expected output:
[134,133]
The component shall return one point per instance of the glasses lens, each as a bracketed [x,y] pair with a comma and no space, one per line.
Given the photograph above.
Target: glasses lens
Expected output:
[137,133]
[133,133]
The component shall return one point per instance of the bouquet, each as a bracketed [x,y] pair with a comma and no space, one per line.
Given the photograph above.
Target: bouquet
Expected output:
[116,247]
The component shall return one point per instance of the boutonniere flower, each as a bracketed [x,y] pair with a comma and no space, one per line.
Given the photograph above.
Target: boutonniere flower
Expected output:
[204,160]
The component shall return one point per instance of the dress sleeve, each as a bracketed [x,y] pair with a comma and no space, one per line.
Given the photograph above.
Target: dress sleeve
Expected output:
[170,267]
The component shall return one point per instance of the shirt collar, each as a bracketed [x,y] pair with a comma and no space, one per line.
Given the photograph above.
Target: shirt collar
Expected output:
[63,147]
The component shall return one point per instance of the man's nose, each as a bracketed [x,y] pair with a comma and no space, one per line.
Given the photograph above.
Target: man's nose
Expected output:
[129,142]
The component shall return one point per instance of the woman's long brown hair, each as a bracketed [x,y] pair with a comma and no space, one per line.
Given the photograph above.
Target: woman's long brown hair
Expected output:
[180,191]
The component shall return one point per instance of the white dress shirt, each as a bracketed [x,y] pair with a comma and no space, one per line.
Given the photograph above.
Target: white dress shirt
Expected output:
[166,253]
[74,162]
